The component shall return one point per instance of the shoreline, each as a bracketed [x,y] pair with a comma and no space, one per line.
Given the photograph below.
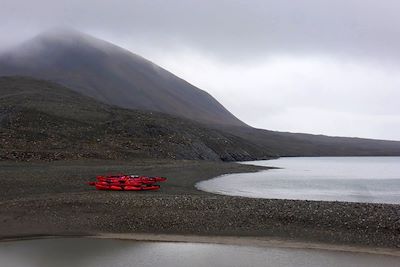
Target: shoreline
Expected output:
[261,242]
[248,241]
[57,202]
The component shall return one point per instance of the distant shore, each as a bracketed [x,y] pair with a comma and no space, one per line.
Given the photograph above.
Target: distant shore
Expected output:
[44,199]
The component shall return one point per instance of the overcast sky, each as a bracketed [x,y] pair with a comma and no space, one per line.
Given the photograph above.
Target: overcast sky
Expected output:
[316,66]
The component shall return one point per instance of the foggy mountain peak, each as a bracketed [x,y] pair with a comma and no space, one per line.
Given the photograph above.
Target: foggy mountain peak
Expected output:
[111,74]
[57,39]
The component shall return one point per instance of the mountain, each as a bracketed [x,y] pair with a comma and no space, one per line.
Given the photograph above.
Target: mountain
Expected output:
[114,79]
[112,75]
[41,120]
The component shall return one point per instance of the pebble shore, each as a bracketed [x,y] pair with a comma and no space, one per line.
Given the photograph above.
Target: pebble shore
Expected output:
[52,199]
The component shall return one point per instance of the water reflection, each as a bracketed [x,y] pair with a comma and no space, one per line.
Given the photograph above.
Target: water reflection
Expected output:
[105,252]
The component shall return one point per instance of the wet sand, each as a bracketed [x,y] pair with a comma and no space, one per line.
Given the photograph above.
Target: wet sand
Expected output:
[41,199]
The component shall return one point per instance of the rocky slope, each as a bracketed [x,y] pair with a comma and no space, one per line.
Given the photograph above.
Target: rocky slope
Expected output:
[43,120]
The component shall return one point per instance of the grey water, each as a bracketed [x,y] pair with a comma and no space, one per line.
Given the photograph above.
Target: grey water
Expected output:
[353,179]
[90,252]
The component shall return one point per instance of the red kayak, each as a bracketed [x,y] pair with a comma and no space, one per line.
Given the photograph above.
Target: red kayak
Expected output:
[127,182]
[126,187]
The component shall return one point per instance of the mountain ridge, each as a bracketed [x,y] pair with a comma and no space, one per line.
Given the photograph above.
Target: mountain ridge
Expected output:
[112,75]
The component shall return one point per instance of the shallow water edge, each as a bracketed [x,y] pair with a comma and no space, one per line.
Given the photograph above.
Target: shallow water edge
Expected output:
[266,242]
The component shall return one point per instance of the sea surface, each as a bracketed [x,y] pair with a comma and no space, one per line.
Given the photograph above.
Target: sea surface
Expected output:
[88,252]
[353,179]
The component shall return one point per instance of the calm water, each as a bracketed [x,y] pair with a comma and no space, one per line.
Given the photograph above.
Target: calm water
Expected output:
[89,252]
[355,179]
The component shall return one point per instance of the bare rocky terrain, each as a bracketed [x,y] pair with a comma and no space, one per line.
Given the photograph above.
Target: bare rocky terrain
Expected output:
[41,120]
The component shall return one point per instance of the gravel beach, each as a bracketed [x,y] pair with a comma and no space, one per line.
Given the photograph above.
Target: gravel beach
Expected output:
[54,199]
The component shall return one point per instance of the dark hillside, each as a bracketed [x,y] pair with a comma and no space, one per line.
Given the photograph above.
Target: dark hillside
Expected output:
[43,120]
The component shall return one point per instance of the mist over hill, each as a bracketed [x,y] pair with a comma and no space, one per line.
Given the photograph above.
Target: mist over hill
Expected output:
[112,75]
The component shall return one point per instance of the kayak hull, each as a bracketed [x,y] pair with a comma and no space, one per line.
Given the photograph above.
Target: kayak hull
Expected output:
[127,188]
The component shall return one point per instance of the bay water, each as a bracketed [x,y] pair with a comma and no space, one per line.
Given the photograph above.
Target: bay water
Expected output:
[353,179]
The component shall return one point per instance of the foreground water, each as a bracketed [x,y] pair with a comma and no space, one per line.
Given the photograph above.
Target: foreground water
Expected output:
[89,252]
[354,179]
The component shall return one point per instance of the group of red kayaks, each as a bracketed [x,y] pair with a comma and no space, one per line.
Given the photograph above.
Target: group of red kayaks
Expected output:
[127,182]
